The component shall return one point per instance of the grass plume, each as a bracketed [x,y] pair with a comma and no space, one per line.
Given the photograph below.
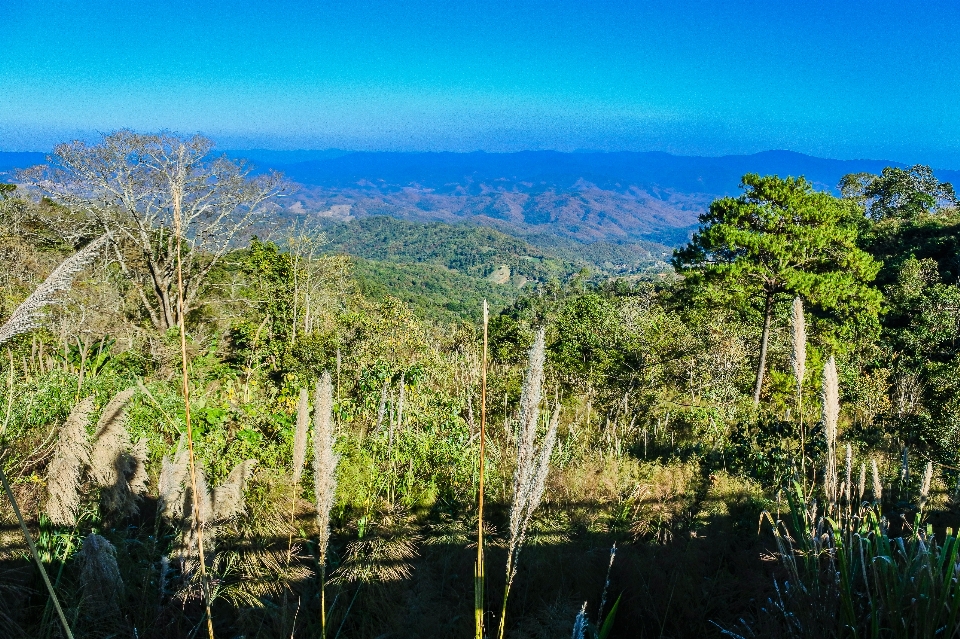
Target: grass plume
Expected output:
[831,412]
[877,486]
[64,472]
[27,316]
[227,500]
[173,475]
[300,436]
[324,477]
[798,334]
[114,463]
[100,575]
[530,474]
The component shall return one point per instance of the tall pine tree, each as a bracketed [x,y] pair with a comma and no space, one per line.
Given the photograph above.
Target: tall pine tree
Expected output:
[779,240]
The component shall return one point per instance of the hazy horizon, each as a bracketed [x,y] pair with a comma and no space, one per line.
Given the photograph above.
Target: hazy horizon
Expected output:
[341,151]
[859,80]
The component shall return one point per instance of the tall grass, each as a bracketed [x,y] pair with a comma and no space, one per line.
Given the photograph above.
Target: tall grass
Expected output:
[324,480]
[846,574]
[25,318]
[533,462]
[480,579]
[798,362]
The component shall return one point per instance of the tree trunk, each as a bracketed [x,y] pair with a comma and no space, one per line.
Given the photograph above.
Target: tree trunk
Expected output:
[767,313]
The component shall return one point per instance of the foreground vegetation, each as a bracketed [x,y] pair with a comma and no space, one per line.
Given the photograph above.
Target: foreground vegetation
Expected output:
[799,375]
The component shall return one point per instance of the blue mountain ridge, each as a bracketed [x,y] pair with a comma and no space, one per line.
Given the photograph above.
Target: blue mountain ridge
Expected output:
[582,196]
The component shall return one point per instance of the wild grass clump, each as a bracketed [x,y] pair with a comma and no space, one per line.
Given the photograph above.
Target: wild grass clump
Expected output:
[847,573]
[64,473]
[533,462]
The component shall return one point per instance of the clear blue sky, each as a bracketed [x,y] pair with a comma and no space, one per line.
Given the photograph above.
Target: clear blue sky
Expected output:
[844,79]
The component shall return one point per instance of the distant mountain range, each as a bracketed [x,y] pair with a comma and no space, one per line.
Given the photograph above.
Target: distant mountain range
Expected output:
[615,197]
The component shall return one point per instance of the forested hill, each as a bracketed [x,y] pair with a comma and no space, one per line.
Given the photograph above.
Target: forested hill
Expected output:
[445,270]
[484,252]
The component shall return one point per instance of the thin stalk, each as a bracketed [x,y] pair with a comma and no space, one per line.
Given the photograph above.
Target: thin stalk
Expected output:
[480,577]
[323,600]
[181,308]
[803,438]
[6,419]
[36,557]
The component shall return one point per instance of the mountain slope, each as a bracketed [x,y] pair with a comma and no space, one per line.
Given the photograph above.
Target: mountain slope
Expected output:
[619,197]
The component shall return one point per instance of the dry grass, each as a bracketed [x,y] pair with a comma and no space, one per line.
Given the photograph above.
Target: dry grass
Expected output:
[65,470]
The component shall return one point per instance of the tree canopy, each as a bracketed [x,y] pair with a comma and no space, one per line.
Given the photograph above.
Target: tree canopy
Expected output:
[780,239]
[899,193]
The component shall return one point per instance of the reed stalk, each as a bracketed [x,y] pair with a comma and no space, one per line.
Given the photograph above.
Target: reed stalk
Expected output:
[530,475]
[831,413]
[176,184]
[324,479]
[798,361]
[36,557]
[479,572]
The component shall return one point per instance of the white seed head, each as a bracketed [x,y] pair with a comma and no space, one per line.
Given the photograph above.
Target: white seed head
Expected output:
[324,459]
[228,497]
[173,475]
[925,487]
[100,576]
[70,457]
[27,316]
[877,486]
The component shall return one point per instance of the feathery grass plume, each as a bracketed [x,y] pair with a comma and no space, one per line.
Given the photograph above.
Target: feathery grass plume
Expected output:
[137,469]
[69,459]
[299,456]
[877,486]
[164,579]
[400,399]
[862,486]
[925,488]
[228,496]
[798,360]
[580,625]
[111,440]
[382,408]
[324,459]
[324,479]
[100,576]
[28,314]
[300,436]
[196,528]
[798,356]
[173,475]
[606,584]
[530,475]
[113,462]
[831,412]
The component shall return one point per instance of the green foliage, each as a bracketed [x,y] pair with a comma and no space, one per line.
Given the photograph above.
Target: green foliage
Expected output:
[905,194]
[433,291]
[781,238]
[659,444]
[470,250]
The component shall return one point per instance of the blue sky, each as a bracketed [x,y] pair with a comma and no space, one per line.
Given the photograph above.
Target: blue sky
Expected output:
[848,79]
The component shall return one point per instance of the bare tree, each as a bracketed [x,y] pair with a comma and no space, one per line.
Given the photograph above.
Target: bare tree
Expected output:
[130,184]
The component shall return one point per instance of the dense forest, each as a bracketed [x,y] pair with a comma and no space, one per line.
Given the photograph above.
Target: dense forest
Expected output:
[209,430]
